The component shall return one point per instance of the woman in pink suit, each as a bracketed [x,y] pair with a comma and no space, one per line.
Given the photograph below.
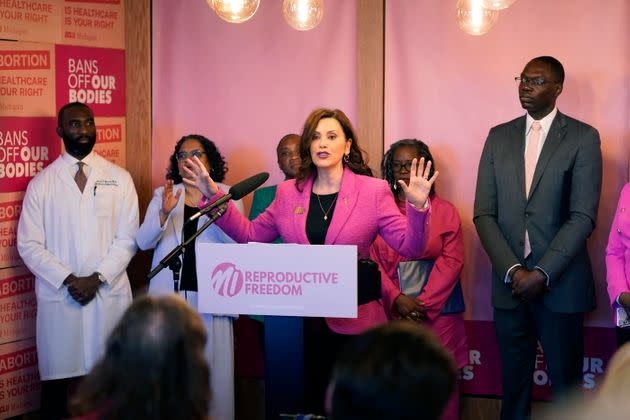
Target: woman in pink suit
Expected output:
[618,261]
[439,306]
[333,200]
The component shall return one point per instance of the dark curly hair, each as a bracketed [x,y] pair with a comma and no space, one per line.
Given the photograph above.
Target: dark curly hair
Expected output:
[218,166]
[355,160]
[421,149]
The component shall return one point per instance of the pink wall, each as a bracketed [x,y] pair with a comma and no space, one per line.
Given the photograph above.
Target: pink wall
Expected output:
[246,85]
[448,88]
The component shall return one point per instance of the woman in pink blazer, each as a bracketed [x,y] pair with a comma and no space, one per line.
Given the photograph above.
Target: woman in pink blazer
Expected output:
[434,307]
[333,200]
[618,261]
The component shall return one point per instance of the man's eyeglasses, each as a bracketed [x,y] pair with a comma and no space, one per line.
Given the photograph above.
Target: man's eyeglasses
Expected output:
[536,81]
[192,153]
[397,166]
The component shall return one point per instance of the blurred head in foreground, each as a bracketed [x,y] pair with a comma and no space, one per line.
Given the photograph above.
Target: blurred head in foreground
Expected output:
[154,365]
[396,371]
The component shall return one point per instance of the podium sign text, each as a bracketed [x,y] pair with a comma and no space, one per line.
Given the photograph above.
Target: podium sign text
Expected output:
[277,279]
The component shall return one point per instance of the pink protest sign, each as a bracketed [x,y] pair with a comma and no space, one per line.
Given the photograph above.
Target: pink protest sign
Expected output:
[18,306]
[94,76]
[27,146]
[19,378]
[482,376]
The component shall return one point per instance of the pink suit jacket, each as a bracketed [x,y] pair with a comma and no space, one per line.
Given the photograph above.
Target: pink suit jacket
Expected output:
[365,208]
[445,245]
[618,249]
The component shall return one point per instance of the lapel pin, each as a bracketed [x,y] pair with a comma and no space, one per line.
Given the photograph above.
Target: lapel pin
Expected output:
[299,210]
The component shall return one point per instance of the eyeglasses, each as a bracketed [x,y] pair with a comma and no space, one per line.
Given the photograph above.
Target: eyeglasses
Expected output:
[397,166]
[192,153]
[535,82]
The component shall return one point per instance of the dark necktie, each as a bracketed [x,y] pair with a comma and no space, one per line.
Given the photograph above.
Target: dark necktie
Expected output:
[80,177]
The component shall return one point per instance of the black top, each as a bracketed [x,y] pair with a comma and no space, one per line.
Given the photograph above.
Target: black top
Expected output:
[189,266]
[316,225]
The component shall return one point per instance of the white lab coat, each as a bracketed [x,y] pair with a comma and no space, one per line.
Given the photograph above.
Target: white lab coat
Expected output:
[220,345]
[63,231]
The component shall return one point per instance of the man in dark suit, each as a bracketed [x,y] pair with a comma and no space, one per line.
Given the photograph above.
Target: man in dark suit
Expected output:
[536,203]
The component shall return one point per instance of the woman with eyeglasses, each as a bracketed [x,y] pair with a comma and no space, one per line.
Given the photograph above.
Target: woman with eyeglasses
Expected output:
[163,229]
[438,305]
[333,200]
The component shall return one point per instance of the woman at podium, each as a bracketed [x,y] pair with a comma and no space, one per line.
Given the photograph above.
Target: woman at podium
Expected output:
[333,200]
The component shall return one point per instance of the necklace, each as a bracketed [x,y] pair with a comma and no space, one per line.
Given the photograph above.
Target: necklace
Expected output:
[329,207]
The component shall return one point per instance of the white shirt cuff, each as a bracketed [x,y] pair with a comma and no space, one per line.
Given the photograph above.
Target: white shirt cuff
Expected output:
[545,273]
[507,279]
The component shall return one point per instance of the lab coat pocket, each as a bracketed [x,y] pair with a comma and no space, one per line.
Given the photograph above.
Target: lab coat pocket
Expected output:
[47,293]
[114,300]
[104,200]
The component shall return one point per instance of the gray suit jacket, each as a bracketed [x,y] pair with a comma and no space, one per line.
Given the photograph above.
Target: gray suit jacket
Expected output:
[559,213]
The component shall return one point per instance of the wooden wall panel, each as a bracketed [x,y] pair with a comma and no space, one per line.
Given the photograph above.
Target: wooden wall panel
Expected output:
[138,78]
[371,78]
[138,63]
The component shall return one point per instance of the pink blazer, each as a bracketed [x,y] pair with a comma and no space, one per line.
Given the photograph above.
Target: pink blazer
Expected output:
[618,249]
[365,208]
[445,245]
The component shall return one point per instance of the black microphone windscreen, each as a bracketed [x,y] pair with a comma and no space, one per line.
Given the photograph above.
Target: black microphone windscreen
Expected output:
[248,185]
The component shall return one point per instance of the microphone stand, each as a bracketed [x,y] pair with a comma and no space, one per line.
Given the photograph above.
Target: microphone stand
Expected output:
[175,266]
[172,259]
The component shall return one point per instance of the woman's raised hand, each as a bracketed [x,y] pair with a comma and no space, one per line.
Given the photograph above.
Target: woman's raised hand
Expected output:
[417,192]
[196,175]
[169,200]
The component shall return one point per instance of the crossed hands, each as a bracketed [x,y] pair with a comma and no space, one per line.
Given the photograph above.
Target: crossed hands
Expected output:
[82,289]
[410,308]
[528,285]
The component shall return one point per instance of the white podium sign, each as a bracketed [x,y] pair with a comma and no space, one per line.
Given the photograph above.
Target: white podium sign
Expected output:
[277,279]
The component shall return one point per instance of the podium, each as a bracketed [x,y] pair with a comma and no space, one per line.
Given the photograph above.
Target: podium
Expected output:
[285,282]
[284,365]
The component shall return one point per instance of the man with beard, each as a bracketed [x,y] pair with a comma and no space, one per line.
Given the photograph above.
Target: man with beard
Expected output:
[76,234]
[538,188]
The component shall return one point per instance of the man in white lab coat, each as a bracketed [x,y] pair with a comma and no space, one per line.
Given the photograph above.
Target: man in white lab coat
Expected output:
[77,234]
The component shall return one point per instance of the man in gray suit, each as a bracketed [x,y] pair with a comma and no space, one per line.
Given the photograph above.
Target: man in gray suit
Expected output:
[536,203]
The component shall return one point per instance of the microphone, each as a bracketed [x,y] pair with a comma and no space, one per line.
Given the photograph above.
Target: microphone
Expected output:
[237,192]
